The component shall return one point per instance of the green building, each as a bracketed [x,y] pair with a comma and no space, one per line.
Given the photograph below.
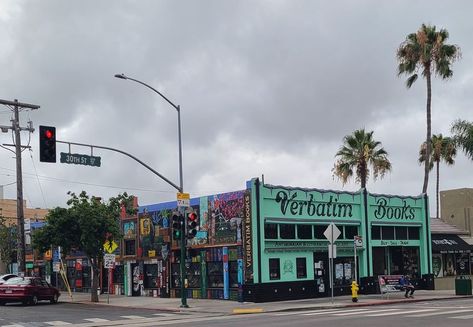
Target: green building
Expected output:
[286,251]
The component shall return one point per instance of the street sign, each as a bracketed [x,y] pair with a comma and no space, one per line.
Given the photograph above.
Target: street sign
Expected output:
[332,251]
[56,267]
[358,241]
[183,200]
[108,260]
[332,233]
[80,159]
[110,246]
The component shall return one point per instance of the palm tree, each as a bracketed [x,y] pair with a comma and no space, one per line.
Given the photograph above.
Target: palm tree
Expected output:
[443,149]
[426,51]
[358,153]
[462,131]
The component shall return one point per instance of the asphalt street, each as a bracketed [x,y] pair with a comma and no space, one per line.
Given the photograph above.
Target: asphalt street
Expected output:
[457,312]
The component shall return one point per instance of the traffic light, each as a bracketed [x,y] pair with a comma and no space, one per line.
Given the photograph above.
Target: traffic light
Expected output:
[177,226]
[47,144]
[191,224]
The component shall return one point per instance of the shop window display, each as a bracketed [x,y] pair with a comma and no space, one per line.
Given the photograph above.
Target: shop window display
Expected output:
[301,267]
[274,269]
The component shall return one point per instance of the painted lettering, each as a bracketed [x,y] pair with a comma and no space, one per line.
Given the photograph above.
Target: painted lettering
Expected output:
[399,213]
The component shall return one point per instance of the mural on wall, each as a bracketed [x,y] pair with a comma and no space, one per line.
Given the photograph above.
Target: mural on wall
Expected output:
[226,215]
[129,231]
[154,232]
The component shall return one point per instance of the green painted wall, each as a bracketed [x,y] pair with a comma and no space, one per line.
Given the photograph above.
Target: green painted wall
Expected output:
[277,204]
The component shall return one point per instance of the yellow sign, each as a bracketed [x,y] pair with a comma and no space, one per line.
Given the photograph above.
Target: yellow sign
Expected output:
[151,253]
[183,200]
[183,196]
[110,246]
[47,255]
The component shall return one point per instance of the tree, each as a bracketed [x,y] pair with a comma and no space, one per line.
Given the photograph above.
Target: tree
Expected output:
[443,149]
[462,131]
[426,51]
[358,153]
[85,225]
[7,242]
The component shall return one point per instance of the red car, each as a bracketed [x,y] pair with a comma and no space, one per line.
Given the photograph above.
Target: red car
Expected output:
[28,290]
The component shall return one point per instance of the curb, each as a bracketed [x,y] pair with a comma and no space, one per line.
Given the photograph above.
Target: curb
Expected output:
[248,311]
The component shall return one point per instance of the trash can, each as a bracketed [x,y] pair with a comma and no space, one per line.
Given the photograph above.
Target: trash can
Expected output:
[463,285]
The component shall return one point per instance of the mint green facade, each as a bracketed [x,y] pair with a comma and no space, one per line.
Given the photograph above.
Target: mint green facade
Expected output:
[287,235]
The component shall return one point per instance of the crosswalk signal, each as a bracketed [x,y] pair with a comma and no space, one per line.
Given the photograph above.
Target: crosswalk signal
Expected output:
[177,226]
[191,225]
[47,144]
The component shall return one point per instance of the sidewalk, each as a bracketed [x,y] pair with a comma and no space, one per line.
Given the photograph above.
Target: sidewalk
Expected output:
[225,307]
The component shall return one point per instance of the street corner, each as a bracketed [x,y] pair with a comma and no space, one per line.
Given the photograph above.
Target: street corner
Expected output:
[240,311]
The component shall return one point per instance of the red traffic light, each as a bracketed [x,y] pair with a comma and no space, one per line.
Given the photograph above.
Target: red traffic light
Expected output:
[192,216]
[48,134]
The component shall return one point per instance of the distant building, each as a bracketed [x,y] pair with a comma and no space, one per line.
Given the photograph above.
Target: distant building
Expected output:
[457,208]
[32,217]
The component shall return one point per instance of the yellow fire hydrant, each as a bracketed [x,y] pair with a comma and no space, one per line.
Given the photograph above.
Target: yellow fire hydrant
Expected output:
[354,291]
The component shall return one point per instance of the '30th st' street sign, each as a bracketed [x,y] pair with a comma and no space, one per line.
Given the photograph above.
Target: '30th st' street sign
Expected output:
[80,159]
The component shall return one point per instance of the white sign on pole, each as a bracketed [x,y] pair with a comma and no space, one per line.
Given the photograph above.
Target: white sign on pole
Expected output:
[183,200]
[332,251]
[358,241]
[108,260]
[332,233]
[56,267]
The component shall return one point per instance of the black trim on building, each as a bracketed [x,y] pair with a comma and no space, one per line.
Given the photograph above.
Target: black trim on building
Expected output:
[427,232]
[367,241]
[258,226]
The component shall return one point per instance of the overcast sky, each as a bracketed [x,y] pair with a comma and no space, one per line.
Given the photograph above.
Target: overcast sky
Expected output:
[265,87]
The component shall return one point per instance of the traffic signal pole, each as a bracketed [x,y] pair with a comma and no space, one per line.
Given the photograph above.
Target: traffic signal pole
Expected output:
[16,106]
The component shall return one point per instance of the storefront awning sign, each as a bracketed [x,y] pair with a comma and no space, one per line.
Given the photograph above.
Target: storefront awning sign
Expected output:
[445,243]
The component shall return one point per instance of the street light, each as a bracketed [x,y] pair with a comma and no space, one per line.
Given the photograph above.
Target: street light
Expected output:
[178,109]
[181,188]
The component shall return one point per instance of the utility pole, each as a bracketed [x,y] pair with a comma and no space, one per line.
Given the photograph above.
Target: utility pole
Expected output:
[16,107]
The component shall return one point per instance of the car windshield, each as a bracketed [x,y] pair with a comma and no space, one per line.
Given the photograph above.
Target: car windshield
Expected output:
[17,281]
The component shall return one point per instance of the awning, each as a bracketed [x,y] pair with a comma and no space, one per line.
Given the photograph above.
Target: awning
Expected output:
[448,243]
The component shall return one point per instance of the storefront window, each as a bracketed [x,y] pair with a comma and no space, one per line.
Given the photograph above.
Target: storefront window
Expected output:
[449,264]
[319,232]
[343,271]
[401,233]
[301,267]
[375,232]
[287,231]
[270,231]
[387,233]
[274,269]
[350,232]
[462,263]
[129,247]
[304,232]
[413,233]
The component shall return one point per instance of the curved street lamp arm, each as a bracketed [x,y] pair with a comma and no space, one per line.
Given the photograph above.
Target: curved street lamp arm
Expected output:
[123,76]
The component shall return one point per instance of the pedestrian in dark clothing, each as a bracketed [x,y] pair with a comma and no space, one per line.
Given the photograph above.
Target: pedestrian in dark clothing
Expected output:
[407,286]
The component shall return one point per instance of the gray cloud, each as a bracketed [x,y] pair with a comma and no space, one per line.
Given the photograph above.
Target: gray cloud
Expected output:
[265,87]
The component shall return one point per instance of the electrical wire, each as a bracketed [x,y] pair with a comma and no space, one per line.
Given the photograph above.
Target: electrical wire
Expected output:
[39,183]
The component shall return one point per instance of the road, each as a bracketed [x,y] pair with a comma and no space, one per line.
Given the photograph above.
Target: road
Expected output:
[439,313]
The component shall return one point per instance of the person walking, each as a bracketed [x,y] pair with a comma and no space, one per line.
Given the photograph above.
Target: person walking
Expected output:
[407,286]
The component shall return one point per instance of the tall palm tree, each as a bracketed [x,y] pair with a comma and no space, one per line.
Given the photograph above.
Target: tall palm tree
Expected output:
[358,153]
[443,149]
[426,51]
[462,131]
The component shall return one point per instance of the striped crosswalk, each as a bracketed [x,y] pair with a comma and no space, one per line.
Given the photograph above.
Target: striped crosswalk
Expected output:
[416,312]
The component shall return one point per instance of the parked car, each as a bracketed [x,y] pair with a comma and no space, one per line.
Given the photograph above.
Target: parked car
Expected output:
[4,278]
[28,290]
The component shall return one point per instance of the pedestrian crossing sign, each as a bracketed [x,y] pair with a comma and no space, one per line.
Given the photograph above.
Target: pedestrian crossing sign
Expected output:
[110,246]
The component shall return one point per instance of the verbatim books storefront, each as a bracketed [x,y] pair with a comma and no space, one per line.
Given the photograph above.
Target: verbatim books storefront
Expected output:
[286,251]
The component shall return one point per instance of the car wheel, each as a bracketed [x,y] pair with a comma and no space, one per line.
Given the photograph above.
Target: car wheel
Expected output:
[34,300]
[54,299]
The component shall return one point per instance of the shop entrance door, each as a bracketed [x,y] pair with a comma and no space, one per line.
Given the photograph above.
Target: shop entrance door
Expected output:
[321,273]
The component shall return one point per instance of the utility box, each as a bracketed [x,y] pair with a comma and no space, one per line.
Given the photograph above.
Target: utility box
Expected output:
[462,285]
